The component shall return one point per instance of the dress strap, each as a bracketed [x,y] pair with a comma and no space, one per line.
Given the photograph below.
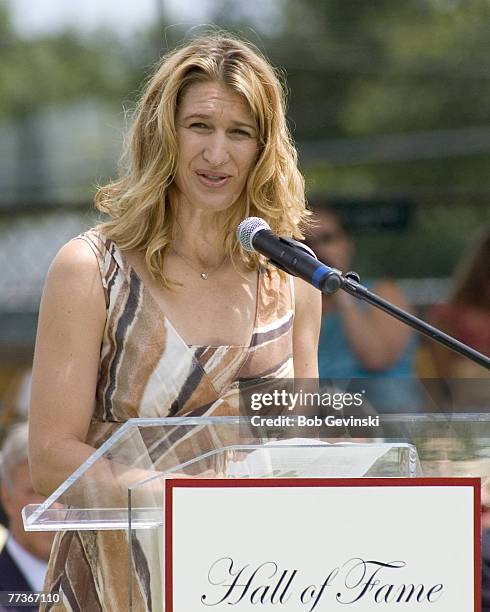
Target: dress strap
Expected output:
[108,256]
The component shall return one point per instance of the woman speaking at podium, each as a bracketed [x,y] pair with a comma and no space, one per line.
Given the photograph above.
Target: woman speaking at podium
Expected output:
[158,311]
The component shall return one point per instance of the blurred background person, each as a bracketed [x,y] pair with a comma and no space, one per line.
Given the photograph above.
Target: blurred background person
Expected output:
[15,397]
[358,341]
[466,313]
[23,560]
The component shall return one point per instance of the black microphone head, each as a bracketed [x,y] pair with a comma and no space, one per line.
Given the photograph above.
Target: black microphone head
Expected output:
[247,229]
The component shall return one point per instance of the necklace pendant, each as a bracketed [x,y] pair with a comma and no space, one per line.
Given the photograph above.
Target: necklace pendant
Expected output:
[204,275]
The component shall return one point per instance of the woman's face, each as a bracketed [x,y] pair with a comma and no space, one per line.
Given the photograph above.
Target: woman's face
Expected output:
[218,146]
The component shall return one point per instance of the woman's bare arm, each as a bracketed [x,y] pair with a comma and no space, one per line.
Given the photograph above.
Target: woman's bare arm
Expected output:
[70,328]
[307,318]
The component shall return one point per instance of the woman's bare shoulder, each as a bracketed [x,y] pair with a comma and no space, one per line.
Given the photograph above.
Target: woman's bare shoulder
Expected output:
[76,253]
[75,273]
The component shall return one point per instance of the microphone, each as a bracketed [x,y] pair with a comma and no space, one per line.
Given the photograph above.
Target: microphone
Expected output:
[254,234]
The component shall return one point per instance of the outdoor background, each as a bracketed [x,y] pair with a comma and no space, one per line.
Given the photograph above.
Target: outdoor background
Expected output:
[389,103]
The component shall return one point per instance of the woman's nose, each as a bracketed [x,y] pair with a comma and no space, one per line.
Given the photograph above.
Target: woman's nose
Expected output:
[215,152]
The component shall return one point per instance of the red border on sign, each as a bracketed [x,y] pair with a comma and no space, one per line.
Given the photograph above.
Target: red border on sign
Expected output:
[221,483]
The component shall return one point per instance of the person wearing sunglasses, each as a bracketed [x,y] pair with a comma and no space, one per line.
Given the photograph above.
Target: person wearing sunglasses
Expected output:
[358,341]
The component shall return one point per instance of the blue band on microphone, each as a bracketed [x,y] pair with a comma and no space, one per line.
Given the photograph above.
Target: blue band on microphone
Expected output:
[319,275]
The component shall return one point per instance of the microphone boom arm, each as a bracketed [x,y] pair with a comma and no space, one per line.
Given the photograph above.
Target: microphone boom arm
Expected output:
[350,283]
[354,288]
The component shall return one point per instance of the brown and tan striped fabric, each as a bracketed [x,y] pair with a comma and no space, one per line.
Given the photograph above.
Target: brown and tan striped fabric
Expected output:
[147,370]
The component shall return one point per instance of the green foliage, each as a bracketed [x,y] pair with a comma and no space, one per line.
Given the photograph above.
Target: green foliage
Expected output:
[59,69]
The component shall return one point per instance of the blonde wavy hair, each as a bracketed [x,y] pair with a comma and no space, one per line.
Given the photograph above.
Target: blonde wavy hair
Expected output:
[141,209]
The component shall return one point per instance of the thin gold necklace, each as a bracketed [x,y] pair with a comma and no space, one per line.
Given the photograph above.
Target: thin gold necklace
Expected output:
[204,274]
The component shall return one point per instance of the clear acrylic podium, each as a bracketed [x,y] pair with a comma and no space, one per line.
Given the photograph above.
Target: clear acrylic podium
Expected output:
[121,486]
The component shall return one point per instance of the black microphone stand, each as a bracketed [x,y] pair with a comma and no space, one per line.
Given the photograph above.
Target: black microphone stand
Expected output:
[350,283]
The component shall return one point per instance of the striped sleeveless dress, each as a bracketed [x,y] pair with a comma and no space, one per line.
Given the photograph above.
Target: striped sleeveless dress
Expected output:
[147,370]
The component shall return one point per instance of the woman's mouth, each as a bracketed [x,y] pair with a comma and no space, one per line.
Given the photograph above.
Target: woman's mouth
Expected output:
[213,179]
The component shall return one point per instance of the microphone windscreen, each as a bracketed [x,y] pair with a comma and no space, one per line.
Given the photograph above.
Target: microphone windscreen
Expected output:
[247,229]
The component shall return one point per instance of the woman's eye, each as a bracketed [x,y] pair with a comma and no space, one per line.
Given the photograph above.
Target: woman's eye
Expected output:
[199,126]
[240,132]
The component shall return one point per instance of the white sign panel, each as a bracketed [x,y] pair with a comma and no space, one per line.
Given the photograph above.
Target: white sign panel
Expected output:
[322,545]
